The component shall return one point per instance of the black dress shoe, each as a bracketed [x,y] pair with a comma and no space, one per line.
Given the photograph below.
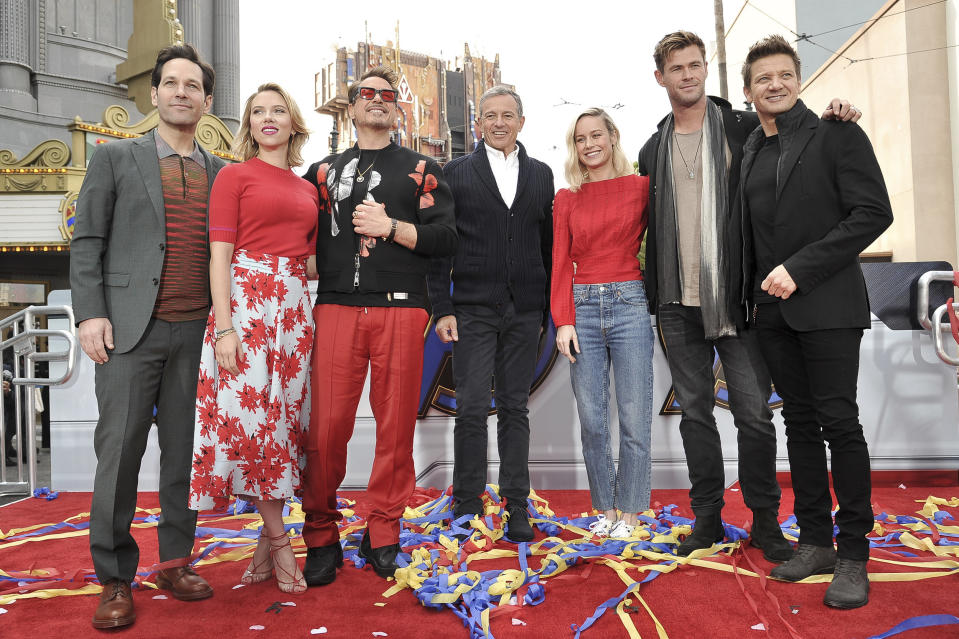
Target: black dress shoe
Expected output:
[321,564]
[517,526]
[382,558]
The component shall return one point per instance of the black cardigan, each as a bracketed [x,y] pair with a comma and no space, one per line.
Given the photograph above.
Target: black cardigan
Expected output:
[504,251]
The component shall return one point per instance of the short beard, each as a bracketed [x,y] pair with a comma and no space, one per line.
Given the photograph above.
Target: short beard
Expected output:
[692,101]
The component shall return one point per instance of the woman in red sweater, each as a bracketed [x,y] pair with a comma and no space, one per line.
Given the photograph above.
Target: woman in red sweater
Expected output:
[253,394]
[599,307]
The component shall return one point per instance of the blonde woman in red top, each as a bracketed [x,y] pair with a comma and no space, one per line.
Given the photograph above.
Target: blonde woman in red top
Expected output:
[253,394]
[598,303]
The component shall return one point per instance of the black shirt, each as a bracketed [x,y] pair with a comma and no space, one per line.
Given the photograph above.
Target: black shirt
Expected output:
[761,198]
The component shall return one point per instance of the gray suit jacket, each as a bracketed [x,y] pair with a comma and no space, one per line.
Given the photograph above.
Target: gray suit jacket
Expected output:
[117,250]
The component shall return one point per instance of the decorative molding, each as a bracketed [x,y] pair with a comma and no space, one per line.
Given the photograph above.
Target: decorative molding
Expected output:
[211,133]
[48,154]
[68,215]
[117,117]
[42,32]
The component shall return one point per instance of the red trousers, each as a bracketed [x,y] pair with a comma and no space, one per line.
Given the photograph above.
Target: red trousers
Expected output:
[347,341]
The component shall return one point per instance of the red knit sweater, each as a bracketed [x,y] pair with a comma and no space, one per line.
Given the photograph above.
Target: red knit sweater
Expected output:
[599,228]
[265,209]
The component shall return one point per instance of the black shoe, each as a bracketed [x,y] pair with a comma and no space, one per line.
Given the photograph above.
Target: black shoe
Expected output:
[850,585]
[321,564]
[806,561]
[768,536]
[468,507]
[382,558]
[517,525]
[707,530]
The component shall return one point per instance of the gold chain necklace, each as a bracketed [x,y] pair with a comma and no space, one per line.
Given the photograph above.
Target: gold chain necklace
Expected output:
[359,176]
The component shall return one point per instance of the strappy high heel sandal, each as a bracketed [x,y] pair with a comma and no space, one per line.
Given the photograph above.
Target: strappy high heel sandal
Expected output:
[296,584]
[257,572]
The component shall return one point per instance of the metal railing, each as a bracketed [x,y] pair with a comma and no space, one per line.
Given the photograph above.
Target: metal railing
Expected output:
[23,344]
[935,325]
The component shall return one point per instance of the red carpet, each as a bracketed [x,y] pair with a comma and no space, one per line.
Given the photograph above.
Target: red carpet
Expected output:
[691,601]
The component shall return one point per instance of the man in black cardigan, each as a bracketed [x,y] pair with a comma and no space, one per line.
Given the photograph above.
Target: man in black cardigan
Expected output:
[812,198]
[504,221]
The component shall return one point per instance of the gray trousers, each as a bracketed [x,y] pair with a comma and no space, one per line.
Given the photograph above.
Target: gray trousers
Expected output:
[162,371]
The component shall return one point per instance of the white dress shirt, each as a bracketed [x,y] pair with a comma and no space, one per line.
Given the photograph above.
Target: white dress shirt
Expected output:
[505,171]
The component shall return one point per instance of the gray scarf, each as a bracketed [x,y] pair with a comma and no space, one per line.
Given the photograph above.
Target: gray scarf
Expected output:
[713,296]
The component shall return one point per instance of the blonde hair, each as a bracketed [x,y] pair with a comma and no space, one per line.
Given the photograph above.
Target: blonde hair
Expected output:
[246,147]
[576,172]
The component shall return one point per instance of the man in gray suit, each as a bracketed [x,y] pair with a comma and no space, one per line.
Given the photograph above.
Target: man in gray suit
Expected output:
[139,274]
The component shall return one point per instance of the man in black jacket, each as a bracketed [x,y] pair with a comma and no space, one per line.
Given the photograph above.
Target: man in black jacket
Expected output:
[812,198]
[385,211]
[691,272]
[504,222]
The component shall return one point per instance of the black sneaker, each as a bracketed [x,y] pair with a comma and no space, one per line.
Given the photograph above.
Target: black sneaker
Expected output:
[517,524]
[382,558]
[707,530]
[321,564]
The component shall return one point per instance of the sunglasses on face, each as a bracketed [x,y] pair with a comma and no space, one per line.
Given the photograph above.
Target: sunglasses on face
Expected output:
[368,93]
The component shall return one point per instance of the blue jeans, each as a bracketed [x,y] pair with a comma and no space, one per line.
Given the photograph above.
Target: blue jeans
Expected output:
[613,327]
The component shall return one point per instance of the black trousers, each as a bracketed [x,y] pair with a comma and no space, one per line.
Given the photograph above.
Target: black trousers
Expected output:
[498,343]
[815,373]
[691,358]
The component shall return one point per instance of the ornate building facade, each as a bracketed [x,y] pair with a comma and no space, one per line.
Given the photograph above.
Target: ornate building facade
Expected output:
[75,74]
[436,108]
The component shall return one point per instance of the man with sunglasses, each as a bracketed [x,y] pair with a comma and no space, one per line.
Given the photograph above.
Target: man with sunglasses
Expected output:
[504,212]
[385,211]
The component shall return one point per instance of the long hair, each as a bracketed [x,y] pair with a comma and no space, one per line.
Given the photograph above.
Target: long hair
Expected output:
[246,147]
[575,170]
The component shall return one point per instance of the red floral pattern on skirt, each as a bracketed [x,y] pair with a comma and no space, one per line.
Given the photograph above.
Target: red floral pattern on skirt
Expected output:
[250,427]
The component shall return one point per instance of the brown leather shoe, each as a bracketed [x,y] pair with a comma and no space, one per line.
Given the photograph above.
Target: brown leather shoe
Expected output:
[116,606]
[184,584]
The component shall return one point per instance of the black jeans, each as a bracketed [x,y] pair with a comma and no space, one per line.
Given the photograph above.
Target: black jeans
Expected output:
[691,358]
[816,372]
[498,343]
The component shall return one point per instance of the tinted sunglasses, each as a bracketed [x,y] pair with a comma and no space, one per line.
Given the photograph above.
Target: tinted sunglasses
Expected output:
[368,93]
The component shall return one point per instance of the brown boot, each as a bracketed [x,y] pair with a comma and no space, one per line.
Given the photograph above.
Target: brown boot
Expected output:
[116,606]
[184,584]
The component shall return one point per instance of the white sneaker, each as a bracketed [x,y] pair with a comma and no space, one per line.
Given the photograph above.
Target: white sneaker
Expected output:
[602,526]
[621,530]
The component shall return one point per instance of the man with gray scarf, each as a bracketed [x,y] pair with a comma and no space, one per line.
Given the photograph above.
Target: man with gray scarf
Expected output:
[693,162]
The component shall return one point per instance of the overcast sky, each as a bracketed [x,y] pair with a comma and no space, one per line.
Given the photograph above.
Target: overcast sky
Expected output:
[586,53]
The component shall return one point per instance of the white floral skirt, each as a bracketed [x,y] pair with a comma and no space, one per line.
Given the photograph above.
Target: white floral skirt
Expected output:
[250,427]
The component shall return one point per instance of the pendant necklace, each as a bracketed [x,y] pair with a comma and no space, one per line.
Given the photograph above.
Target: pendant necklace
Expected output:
[691,174]
[359,176]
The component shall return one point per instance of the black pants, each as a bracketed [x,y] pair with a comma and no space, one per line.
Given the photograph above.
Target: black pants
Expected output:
[691,357]
[498,343]
[815,373]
